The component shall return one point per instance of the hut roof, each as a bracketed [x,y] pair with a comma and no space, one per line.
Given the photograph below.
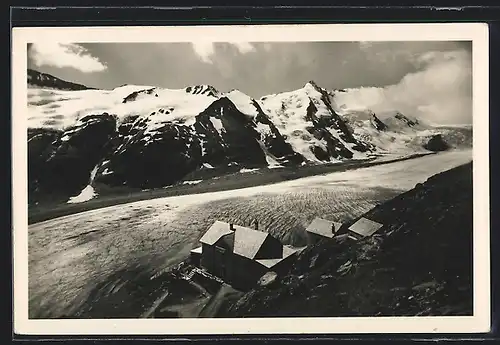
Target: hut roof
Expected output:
[365,227]
[215,232]
[247,242]
[323,227]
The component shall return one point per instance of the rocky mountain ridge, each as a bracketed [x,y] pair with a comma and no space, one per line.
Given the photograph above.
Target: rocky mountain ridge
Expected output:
[38,79]
[149,137]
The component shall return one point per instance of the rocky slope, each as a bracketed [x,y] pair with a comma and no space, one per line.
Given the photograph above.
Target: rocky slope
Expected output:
[147,137]
[38,79]
[420,263]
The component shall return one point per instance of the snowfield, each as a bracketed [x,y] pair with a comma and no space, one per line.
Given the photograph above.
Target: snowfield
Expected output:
[71,255]
[242,102]
[60,109]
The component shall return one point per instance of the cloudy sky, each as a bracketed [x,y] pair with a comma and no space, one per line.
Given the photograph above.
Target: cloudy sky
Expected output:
[430,80]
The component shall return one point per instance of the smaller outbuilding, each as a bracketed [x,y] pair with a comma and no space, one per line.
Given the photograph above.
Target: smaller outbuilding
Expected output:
[363,228]
[322,229]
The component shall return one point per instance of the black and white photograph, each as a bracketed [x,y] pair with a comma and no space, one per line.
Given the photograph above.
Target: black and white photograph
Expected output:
[242,176]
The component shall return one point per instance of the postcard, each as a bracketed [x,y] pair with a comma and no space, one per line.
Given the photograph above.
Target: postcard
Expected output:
[260,179]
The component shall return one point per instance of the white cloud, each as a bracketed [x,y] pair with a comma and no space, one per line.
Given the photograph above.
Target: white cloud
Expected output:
[244,47]
[267,46]
[440,91]
[65,55]
[389,52]
[206,50]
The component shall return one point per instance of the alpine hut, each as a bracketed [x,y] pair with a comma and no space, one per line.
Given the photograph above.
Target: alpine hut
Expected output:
[320,229]
[241,255]
[363,228]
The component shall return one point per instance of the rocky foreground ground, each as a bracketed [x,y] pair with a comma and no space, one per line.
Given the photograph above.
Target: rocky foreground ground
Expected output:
[105,259]
[419,265]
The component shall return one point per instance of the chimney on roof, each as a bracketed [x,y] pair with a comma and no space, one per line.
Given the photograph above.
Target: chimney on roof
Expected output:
[231,226]
[333,228]
[256,224]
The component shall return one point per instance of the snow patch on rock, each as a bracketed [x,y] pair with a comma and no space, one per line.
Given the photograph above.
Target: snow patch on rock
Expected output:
[192,182]
[86,194]
[217,123]
[245,170]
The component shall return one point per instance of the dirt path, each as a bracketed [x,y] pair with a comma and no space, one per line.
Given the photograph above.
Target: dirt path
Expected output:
[71,255]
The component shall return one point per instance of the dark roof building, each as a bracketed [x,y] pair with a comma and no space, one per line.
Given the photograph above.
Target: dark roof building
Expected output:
[240,255]
[363,228]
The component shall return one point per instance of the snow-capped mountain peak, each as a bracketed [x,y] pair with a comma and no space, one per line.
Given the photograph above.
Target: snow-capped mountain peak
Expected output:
[134,134]
[246,104]
[311,84]
[203,89]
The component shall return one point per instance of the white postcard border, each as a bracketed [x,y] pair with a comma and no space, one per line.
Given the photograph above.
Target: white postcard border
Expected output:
[475,32]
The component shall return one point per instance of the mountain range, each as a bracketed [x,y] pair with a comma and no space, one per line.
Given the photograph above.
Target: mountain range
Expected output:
[144,136]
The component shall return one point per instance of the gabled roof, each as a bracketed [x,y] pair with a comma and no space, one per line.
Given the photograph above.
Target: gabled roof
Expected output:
[247,242]
[365,227]
[216,231]
[323,227]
